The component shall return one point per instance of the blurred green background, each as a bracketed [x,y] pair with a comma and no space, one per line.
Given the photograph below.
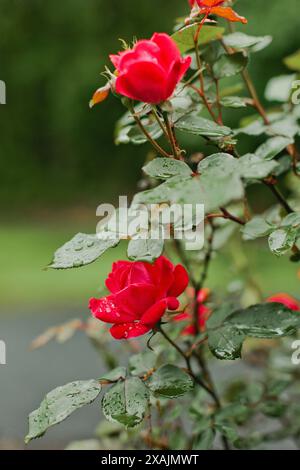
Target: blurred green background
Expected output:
[58,159]
[58,162]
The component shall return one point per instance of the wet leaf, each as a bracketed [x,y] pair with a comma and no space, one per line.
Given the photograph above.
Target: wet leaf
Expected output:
[83,249]
[126,402]
[170,381]
[240,40]
[164,168]
[145,250]
[59,404]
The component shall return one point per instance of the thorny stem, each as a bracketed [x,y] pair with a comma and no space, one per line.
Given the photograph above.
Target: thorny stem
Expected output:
[208,257]
[218,99]
[200,284]
[229,216]
[171,134]
[209,389]
[279,197]
[200,90]
[155,114]
[157,147]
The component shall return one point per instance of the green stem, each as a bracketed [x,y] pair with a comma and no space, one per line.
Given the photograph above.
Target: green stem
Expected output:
[157,147]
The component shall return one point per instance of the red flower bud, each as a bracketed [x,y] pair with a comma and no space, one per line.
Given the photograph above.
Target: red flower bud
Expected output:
[151,70]
[140,295]
[286,300]
[204,313]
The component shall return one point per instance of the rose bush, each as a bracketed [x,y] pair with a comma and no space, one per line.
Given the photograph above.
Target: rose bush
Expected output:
[176,89]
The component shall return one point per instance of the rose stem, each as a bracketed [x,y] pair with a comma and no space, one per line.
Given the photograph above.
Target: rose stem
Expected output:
[157,147]
[187,359]
[201,91]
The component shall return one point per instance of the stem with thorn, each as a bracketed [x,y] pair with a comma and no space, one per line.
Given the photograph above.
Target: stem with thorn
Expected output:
[157,147]
[209,389]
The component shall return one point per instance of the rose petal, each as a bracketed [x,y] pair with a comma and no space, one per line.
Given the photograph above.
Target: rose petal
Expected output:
[135,299]
[143,81]
[168,50]
[177,71]
[180,283]
[163,276]
[105,309]
[154,314]
[286,300]
[143,51]
[129,330]
[203,295]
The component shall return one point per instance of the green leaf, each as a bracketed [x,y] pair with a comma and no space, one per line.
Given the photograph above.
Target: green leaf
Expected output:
[219,315]
[229,65]
[198,125]
[255,128]
[286,126]
[126,402]
[115,374]
[293,61]
[226,342]
[228,431]
[291,220]
[205,440]
[218,165]
[137,137]
[244,41]
[184,38]
[131,133]
[170,381]
[145,250]
[274,409]
[83,249]
[277,386]
[221,183]
[215,189]
[253,167]
[164,168]
[272,147]
[282,240]
[256,228]
[280,88]
[59,404]
[140,364]
[236,412]
[269,320]
[234,102]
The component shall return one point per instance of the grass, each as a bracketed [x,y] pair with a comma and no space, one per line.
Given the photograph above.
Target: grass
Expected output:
[27,249]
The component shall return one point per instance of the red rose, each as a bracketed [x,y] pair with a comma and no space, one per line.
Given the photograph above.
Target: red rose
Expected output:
[140,295]
[151,70]
[203,314]
[286,300]
[213,7]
